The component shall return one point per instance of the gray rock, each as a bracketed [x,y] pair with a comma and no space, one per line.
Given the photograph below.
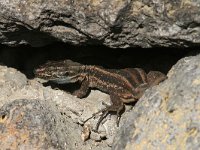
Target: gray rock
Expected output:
[167,116]
[31,124]
[113,23]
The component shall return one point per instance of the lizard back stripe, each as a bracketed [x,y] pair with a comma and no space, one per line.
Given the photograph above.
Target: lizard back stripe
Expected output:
[135,76]
[143,74]
[110,88]
[118,77]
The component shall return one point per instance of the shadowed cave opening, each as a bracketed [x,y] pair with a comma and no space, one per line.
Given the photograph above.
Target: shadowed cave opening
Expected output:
[27,58]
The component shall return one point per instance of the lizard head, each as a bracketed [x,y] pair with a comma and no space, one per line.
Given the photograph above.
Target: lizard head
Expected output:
[61,72]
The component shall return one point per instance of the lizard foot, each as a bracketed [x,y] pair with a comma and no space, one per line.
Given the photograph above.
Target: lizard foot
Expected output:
[105,112]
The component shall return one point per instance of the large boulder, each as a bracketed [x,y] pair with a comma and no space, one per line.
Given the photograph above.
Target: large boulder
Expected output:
[167,116]
[114,23]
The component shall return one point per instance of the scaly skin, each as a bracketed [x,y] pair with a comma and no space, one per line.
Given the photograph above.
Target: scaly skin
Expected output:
[123,85]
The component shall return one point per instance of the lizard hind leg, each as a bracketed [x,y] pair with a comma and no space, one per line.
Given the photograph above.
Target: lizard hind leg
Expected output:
[104,114]
[116,106]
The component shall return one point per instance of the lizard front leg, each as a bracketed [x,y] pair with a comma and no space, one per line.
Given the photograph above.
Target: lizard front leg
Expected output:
[83,90]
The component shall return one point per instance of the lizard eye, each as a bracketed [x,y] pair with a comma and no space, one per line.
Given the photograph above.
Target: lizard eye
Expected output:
[66,73]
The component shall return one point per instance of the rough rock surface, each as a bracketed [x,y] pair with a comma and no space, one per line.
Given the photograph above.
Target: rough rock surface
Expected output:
[167,117]
[114,23]
[29,124]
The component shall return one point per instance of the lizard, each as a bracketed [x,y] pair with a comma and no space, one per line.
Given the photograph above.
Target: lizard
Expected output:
[123,85]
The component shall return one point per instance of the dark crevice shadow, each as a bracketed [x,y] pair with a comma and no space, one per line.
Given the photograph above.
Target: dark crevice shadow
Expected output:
[27,58]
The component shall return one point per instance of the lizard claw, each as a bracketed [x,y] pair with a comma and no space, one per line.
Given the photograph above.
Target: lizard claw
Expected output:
[105,112]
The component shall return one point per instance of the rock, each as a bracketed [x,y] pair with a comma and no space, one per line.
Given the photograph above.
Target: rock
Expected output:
[168,115]
[114,23]
[31,124]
